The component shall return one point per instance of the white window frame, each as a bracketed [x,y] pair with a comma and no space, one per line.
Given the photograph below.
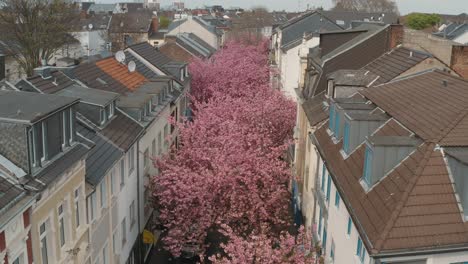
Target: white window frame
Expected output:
[132,214]
[61,217]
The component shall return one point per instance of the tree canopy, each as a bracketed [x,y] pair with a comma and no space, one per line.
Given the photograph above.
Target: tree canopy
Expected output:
[38,28]
[420,21]
[383,6]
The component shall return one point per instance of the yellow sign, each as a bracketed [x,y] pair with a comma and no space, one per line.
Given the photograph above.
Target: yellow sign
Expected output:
[148,237]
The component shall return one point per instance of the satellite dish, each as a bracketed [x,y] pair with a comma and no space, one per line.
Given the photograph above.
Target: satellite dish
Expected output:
[120,56]
[90,26]
[131,66]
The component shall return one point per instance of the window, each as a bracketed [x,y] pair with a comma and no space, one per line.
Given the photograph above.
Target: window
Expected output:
[103,193]
[112,180]
[328,187]
[361,250]
[103,118]
[159,143]
[331,122]
[368,166]
[131,160]
[166,133]
[104,254]
[350,224]
[319,231]
[324,239]
[122,173]
[153,148]
[132,214]
[346,138]
[43,238]
[337,199]
[17,260]
[324,171]
[124,231]
[146,158]
[77,207]
[61,216]
[114,241]
[332,250]
[92,206]
[337,124]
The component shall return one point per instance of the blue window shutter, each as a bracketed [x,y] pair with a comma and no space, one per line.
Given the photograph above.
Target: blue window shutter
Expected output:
[363,255]
[350,222]
[346,138]
[328,187]
[323,176]
[337,124]
[368,166]
[337,199]
[331,123]
[359,247]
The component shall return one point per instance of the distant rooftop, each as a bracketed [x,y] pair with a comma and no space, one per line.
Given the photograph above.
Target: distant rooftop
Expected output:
[88,95]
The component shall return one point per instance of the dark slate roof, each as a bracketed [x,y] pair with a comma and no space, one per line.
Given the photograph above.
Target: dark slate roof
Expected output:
[8,193]
[176,23]
[101,158]
[309,23]
[149,53]
[453,31]
[94,77]
[373,43]
[51,84]
[353,77]
[395,62]
[133,22]
[99,21]
[63,163]
[207,25]
[195,45]
[88,95]
[101,8]
[140,66]
[315,109]
[122,131]
[344,18]
[27,107]
[459,153]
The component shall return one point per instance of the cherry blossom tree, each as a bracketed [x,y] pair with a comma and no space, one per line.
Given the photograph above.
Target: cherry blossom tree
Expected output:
[262,248]
[228,171]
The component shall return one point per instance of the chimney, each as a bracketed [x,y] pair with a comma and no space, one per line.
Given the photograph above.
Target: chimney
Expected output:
[155,24]
[396,35]
[458,60]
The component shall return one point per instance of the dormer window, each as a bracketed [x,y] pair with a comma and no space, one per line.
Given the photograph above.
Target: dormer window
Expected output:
[331,122]
[50,137]
[107,113]
[346,137]
[368,157]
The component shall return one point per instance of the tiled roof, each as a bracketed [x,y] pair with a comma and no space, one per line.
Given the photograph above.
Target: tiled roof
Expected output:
[395,62]
[94,77]
[132,22]
[120,72]
[421,103]
[140,66]
[414,207]
[122,131]
[149,53]
[315,109]
[101,157]
[51,84]
[373,43]
[313,22]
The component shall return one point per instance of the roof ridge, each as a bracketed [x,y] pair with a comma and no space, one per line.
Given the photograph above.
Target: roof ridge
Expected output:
[463,113]
[411,184]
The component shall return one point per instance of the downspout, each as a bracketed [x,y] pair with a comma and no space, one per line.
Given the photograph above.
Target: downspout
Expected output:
[138,202]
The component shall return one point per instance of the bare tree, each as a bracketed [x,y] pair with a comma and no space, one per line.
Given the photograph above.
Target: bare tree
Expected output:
[38,28]
[384,6]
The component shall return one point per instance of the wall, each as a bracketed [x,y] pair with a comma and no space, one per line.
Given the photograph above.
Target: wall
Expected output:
[62,190]
[16,235]
[191,26]
[440,48]
[291,68]
[175,52]
[92,42]
[14,148]
[429,63]
[13,72]
[460,60]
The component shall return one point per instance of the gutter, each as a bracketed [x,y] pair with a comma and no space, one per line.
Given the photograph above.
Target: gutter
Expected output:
[463,248]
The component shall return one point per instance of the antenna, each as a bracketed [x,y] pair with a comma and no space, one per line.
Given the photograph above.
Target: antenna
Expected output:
[131,66]
[120,56]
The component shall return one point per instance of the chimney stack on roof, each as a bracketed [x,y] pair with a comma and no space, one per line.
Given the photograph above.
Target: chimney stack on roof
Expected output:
[155,24]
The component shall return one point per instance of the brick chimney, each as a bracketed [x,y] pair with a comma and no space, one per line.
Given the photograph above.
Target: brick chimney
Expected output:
[396,35]
[155,24]
[459,61]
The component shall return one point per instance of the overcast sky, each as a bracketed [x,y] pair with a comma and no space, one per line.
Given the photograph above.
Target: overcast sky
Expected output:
[405,6]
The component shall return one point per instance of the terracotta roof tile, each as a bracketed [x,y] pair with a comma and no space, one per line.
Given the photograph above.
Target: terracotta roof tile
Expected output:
[131,80]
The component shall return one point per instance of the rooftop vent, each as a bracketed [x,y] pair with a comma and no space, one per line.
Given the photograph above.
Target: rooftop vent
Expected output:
[444,83]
